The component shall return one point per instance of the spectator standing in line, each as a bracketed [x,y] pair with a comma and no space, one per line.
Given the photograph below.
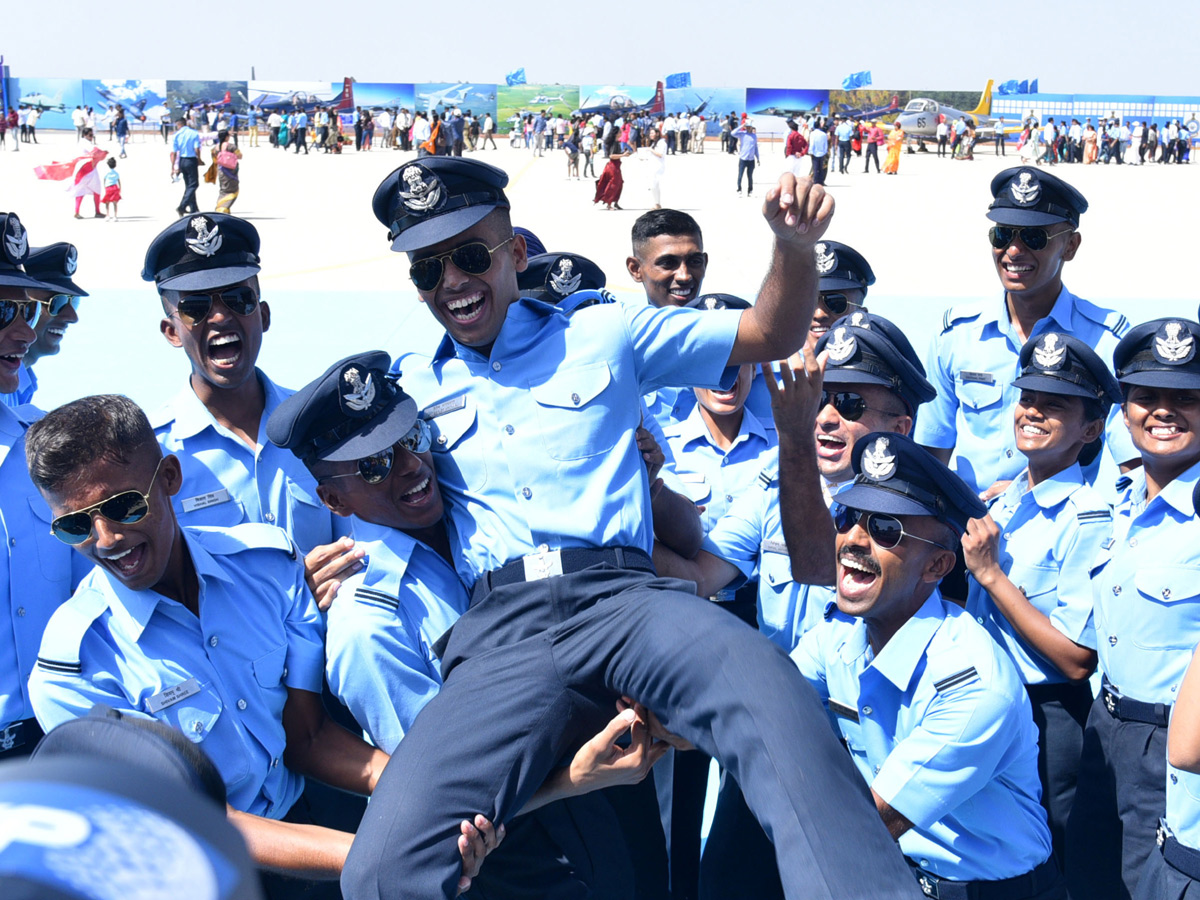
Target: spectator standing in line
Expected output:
[34,115]
[943,135]
[456,132]
[299,132]
[273,122]
[794,148]
[747,139]
[78,118]
[121,129]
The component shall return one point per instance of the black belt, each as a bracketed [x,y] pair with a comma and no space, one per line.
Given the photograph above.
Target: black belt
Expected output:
[1019,887]
[1178,856]
[1129,710]
[19,738]
[1060,691]
[545,564]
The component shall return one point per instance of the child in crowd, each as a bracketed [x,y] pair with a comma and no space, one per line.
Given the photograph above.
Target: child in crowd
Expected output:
[112,191]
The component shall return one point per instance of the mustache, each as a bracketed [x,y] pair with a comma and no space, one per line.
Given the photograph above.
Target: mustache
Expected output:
[862,558]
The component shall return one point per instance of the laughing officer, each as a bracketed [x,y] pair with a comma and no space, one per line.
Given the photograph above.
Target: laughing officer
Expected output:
[932,710]
[975,359]
[548,499]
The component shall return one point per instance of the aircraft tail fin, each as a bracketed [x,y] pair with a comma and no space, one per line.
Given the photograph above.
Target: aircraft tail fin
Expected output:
[985,101]
[345,100]
[895,104]
[227,99]
[660,104]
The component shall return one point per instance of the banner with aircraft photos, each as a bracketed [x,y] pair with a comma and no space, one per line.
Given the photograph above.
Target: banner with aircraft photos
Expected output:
[55,98]
[442,96]
[376,95]
[231,95]
[772,107]
[710,103]
[144,101]
[520,100]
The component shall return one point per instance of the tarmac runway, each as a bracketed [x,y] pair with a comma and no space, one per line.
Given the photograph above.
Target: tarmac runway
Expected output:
[335,288]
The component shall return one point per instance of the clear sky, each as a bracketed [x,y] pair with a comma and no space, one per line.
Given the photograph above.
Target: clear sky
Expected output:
[1102,46]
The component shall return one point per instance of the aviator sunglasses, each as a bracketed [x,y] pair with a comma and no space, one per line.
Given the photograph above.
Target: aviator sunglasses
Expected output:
[851,406]
[375,469]
[124,508]
[59,302]
[1035,239]
[194,308]
[474,258]
[836,303]
[884,531]
[10,309]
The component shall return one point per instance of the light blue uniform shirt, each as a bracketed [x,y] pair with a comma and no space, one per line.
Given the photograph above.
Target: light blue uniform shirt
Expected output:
[1050,537]
[1183,806]
[36,575]
[186,143]
[750,537]
[221,679]
[941,728]
[380,632]
[535,444]
[713,477]
[1146,590]
[973,362]
[227,483]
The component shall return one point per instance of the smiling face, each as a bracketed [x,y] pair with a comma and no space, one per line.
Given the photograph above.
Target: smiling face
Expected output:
[223,348]
[408,499]
[1165,426]
[670,267]
[15,341]
[138,554]
[823,317]
[1051,429]
[728,403]
[1036,274]
[836,434]
[50,330]
[885,587]
[472,308]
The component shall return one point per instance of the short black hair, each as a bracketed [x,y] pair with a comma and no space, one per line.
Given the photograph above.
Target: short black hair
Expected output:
[665,221]
[64,442]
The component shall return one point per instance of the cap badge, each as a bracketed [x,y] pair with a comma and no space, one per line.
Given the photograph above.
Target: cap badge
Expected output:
[563,282]
[422,196]
[16,240]
[1174,343]
[877,462]
[841,346]
[71,263]
[826,261]
[361,394]
[1048,353]
[860,320]
[1026,190]
[205,242]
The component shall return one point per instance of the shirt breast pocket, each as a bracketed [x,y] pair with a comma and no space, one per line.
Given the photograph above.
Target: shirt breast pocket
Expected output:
[574,415]
[308,518]
[978,394]
[696,487]
[448,430]
[1171,594]
[1039,584]
[54,564]
[775,573]
[269,669]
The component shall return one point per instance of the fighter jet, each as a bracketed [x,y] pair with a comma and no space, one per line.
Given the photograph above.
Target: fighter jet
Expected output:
[785,113]
[855,112]
[451,96]
[289,100]
[703,105]
[42,103]
[622,104]
[921,116]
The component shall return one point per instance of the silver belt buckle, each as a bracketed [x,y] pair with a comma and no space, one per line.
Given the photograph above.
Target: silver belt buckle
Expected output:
[545,563]
[12,736]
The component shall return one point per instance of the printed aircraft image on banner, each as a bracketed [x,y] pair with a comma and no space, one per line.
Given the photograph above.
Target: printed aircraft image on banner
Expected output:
[772,107]
[220,94]
[375,95]
[517,101]
[712,103]
[439,96]
[623,100]
[284,96]
[55,98]
[867,104]
[144,101]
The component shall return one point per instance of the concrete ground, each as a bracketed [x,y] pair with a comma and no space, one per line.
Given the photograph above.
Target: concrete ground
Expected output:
[335,287]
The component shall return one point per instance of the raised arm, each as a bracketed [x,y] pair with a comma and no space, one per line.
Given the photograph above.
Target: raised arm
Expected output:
[798,213]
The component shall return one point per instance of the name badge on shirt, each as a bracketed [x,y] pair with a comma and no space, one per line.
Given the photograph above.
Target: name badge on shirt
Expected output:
[845,710]
[446,406]
[203,501]
[172,695]
[774,547]
[980,377]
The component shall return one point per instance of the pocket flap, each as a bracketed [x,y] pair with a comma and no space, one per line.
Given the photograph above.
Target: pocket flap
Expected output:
[448,428]
[1168,584]
[573,388]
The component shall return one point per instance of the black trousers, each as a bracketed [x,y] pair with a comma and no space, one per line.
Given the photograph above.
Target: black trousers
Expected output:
[746,166]
[818,168]
[189,168]
[1119,798]
[1060,712]
[300,139]
[532,670]
[872,154]
[942,140]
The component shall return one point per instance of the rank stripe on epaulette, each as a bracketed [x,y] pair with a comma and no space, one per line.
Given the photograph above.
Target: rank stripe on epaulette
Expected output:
[955,680]
[1098,515]
[54,665]
[842,709]
[767,477]
[377,597]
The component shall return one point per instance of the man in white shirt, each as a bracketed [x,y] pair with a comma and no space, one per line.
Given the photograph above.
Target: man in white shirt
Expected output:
[35,114]
[669,133]
[78,117]
[489,130]
[421,131]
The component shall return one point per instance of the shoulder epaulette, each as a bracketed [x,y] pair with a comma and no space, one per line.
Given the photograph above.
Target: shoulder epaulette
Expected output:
[238,538]
[1123,482]
[64,633]
[583,299]
[1095,515]
[379,598]
[956,314]
[768,476]
[956,679]
[1112,320]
